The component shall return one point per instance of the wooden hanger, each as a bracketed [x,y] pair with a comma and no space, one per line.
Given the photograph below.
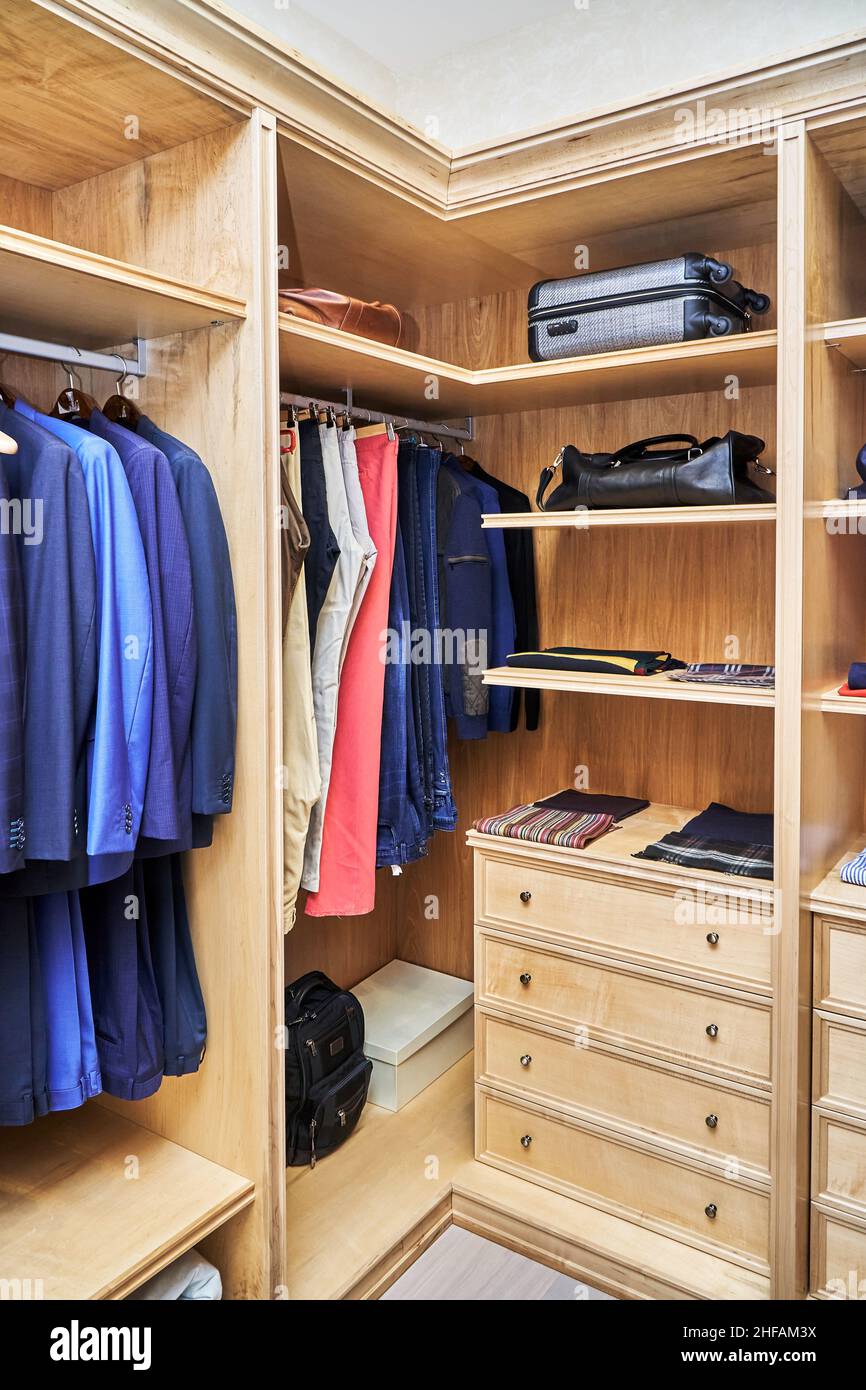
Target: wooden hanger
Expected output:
[8,445]
[120,408]
[7,395]
[72,400]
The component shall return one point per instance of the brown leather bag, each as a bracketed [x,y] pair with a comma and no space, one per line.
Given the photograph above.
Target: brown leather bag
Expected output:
[381,322]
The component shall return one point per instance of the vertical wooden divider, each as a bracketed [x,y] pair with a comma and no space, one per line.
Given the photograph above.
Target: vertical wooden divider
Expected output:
[789,1160]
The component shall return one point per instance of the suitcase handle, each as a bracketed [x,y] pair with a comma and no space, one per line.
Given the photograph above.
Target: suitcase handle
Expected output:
[639,449]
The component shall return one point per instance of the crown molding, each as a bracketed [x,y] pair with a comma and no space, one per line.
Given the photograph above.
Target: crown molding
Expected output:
[237,62]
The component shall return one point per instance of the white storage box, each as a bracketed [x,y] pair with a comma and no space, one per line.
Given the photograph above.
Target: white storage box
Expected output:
[418,1024]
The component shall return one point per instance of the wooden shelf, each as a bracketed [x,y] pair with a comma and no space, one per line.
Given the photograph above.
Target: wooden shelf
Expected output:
[99,1232]
[657,687]
[837,509]
[849,336]
[831,702]
[614,852]
[339,1246]
[630,516]
[834,896]
[324,361]
[58,292]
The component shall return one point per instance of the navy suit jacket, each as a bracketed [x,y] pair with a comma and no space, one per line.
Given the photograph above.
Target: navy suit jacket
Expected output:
[215,705]
[167,797]
[58,571]
[11,691]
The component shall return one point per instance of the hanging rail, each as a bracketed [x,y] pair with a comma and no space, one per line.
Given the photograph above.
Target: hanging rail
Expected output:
[378,417]
[77,357]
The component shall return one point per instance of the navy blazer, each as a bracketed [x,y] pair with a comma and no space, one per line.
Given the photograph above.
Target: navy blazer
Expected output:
[11,690]
[215,704]
[167,794]
[58,570]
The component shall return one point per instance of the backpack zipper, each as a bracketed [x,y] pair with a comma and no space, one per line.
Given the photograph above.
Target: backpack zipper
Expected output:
[313,1125]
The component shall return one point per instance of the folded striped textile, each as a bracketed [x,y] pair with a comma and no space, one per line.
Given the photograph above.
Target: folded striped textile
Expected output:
[855,870]
[714,673]
[601,660]
[722,856]
[570,829]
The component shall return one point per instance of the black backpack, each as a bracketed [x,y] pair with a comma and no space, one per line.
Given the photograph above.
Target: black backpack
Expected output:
[327,1074]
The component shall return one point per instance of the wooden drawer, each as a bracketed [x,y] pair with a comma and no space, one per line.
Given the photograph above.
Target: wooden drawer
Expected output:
[839,1064]
[840,966]
[838,1256]
[668,1195]
[640,1099]
[716,936]
[637,1011]
[839,1162]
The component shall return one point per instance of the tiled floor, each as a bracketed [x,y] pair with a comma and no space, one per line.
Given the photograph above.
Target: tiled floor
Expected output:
[463,1267]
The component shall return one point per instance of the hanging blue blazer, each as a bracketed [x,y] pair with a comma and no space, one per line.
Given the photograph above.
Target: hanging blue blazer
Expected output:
[167,794]
[58,571]
[215,704]
[11,691]
[119,749]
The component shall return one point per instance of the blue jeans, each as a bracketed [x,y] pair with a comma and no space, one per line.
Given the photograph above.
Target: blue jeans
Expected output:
[401,836]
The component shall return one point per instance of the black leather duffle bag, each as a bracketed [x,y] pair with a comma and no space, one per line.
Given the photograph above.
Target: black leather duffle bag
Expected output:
[649,473]
[327,1074]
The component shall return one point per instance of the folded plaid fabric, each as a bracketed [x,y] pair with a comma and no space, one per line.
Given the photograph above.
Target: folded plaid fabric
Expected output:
[855,870]
[601,660]
[714,673]
[723,856]
[570,829]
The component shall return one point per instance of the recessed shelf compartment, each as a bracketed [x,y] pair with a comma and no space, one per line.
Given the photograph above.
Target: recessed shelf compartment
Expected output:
[314,359]
[92,1205]
[849,337]
[657,687]
[832,895]
[631,516]
[55,291]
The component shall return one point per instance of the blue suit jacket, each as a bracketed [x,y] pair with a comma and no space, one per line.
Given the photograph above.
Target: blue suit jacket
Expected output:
[59,579]
[167,795]
[11,693]
[119,750]
[215,705]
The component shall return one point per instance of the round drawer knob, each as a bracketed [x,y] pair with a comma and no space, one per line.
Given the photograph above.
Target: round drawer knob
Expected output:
[526,978]
[712,1121]
[526,1140]
[526,1060]
[712,1030]
[526,896]
[712,1211]
[713,938]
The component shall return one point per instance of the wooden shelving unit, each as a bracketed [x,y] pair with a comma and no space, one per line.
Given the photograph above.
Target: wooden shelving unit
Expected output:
[116,1203]
[657,687]
[832,895]
[831,702]
[51,290]
[326,360]
[631,516]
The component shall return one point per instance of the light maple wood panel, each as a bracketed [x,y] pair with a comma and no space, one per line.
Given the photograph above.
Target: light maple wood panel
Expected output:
[838,1255]
[832,895]
[645,1013]
[848,337]
[26,207]
[349,1218]
[670,1107]
[840,966]
[92,1205]
[658,687]
[839,1064]
[583,519]
[839,1163]
[674,1197]
[95,87]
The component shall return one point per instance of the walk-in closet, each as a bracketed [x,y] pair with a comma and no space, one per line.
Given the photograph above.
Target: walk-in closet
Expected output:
[657,1081]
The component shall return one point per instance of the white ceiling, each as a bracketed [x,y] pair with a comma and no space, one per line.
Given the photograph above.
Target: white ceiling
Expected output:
[403,34]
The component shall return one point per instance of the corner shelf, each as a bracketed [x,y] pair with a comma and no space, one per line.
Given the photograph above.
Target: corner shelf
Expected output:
[831,702]
[51,290]
[833,896]
[849,336]
[657,687]
[326,361]
[630,516]
[102,1232]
